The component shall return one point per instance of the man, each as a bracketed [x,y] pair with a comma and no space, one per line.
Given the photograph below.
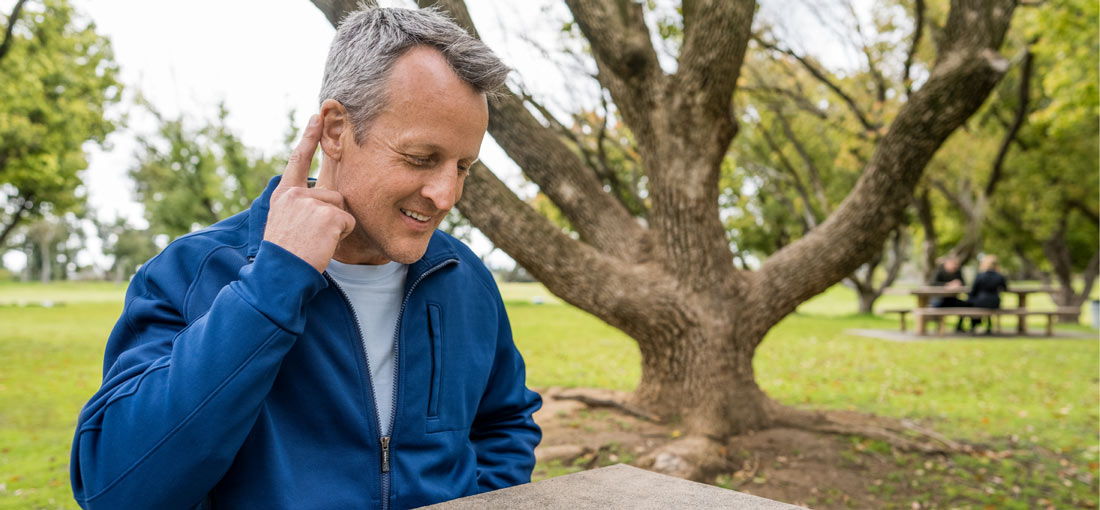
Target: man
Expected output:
[327,348]
[986,292]
[949,276]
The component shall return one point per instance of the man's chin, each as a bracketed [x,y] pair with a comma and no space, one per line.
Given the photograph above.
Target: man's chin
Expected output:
[408,254]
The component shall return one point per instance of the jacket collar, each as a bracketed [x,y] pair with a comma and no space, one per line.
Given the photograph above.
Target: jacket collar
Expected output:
[439,249]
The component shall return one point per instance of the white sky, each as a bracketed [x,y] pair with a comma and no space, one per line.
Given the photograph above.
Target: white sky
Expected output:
[264,58]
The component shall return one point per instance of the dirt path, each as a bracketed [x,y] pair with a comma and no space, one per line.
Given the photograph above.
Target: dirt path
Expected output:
[809,469]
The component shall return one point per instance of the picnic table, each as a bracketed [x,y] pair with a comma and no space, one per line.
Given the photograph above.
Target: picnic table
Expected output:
[612,488]
[926,293]
[923,313]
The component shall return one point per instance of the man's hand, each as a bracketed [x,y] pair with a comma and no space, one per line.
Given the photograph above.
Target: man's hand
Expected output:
[308,222]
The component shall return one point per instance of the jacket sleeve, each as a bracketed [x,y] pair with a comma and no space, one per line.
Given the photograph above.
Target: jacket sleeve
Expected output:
[504,433]
[178,398]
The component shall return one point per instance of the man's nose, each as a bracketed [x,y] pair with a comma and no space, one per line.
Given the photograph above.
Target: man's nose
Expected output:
[442,187]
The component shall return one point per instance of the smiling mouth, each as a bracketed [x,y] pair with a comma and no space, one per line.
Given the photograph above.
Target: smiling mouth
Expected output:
[415,216]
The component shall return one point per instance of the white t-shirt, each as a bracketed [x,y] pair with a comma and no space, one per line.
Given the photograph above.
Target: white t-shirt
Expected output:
[375,293]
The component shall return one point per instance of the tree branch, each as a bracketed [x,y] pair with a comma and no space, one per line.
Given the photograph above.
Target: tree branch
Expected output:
[897,258]
[599,218]
[974,212]
[781,196]
[628,66]
[796,180]
[811,167]
[879,79]
[798,96]
[1022,100]
[965,73]
[918,31]
[716,35]
[956,199]
[572,270]
[801,102]
[820,76]
[924,212]
[8,33]
[596,160]
[627,193]
[1084,210]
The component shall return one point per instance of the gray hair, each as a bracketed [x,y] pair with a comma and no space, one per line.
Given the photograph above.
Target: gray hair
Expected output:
[371,39]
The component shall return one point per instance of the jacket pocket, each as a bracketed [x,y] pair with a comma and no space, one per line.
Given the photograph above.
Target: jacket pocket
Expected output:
[435,326]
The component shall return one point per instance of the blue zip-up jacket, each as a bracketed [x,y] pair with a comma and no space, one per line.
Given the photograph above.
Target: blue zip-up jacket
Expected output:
[236,378]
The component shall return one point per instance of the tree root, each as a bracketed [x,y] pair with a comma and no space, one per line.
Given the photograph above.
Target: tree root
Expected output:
[699,455]
[593,401]
[693,457]
[902,434]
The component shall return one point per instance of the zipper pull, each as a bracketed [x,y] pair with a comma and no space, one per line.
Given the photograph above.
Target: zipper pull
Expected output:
[385,454]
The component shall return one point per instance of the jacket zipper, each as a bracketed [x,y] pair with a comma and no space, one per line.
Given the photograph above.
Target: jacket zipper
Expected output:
[384,440]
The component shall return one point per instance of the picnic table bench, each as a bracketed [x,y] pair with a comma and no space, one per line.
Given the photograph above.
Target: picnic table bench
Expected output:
[923,315]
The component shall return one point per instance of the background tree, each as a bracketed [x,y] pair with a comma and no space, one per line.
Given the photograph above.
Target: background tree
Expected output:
[808,133]
[969,169]
[671,284]
[1037,152]
[1055,165]
[51,244]
[191,177]
[129,247]
[57,77]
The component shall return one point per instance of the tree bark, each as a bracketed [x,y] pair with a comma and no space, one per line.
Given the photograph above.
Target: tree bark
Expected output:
[672,284]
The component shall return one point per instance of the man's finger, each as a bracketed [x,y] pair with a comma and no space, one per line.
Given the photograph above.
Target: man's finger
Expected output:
[297,166]
[326,178]
[327,196]
[347,226]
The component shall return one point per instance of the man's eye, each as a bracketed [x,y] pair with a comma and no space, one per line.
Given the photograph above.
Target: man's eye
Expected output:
[463,170]
[418,160]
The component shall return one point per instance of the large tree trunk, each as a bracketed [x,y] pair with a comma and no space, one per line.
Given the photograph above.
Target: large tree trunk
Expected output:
[705,378]
[671,284]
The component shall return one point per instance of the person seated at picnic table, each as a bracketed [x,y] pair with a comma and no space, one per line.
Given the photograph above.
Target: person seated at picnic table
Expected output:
[986,292]
[949,275]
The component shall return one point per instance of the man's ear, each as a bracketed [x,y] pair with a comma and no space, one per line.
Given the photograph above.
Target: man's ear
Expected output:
[334,120]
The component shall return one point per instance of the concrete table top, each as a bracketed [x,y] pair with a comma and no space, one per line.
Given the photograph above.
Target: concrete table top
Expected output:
[612,487]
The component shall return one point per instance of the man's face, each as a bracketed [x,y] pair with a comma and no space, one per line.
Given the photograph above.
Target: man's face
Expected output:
[409,170]
[951,265]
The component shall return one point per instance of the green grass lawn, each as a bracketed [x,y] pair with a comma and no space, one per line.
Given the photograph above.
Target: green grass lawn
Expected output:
[1006,392]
